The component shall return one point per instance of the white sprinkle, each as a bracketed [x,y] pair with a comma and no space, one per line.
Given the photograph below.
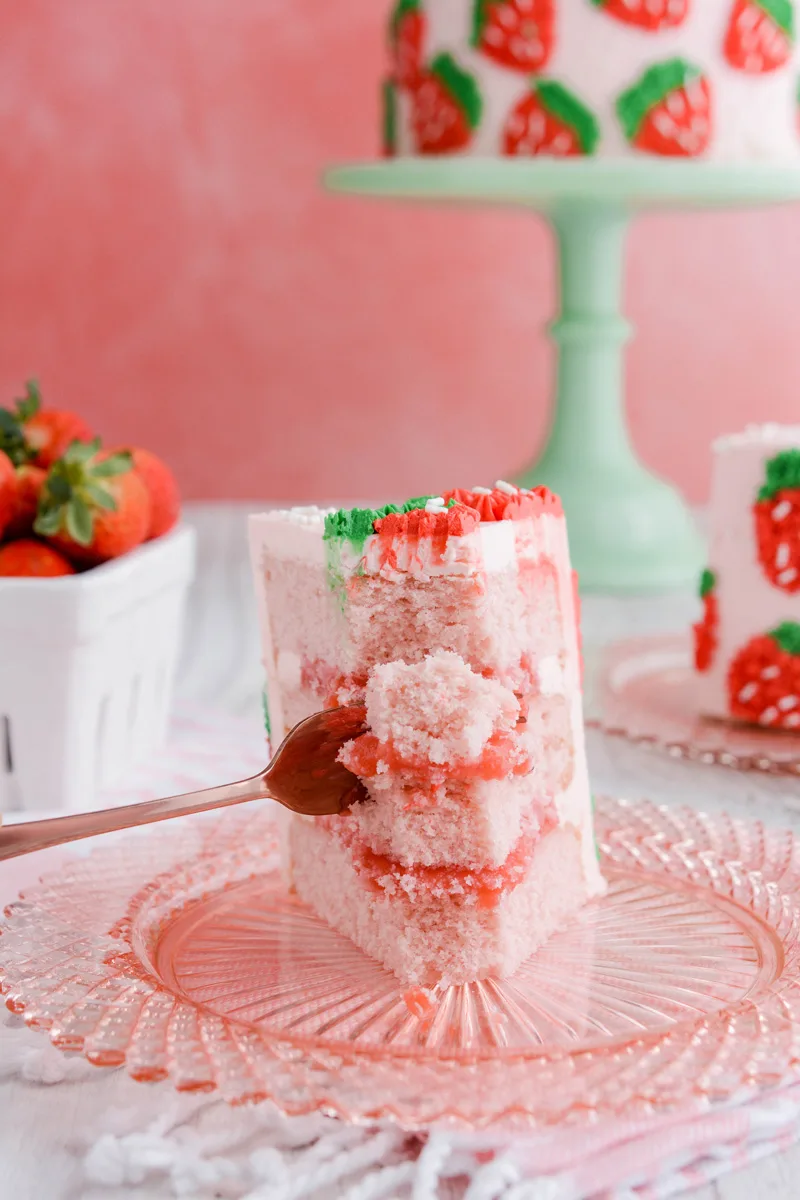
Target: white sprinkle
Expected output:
[508,488]
[481,491]
[786,703]
[788,576]
[769,715]
[782,556]
[792,721]
[770,672]
[748,691]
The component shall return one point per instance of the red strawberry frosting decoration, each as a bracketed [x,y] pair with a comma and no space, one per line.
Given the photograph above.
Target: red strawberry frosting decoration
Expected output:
[668,111]
[706,631]
[764,679]
[777,517]
[515,33]
[497,504]
[646,14]
[760,35]
[407,29]
[550,120]
[457,521]
[447,108]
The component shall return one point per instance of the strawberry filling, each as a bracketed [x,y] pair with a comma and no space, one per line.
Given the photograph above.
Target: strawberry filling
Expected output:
[484,885]
[502,757]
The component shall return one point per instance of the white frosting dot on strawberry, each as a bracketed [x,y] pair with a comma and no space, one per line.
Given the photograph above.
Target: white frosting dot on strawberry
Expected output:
[787,703]
[788,576]
[481,491]
[769,716]
[781,511]
[770,672]
[493,36]
[792,721]
[748,691]
[508,488]
[782,556]
[436,504]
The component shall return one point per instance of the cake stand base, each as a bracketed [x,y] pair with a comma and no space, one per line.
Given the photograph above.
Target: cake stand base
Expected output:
[629,530]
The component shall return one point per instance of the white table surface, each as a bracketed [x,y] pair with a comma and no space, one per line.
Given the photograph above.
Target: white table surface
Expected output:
[220,668]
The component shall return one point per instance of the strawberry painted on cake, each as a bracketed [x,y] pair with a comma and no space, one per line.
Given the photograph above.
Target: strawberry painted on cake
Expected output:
[688,79]
[454,620]
[747,641]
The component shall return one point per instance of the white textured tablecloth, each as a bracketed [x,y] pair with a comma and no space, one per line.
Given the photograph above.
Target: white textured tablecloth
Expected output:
[70,1130]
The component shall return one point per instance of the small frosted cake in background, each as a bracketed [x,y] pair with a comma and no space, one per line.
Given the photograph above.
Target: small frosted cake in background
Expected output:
[747,643]
[454,620]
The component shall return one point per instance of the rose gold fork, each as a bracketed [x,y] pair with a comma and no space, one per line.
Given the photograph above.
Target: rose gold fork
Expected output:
[304,776]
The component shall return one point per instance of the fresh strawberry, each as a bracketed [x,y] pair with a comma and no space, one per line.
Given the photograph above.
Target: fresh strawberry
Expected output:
[28,484]
[777,517]
[162,487]
[407,28]
[8,484]
[550,120]
[30,558]
[93,506]
[668,111]
[706,631]
[389,98]
[447,107]
[764,679]
[760,35]
[646,14]
[29,433]
[515,33]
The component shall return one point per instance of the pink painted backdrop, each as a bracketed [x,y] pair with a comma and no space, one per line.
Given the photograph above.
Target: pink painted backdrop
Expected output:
[171,267]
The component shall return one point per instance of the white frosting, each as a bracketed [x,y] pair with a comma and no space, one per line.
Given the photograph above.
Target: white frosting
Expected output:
[294,533]
[749,605]
[774,437]
[597,56]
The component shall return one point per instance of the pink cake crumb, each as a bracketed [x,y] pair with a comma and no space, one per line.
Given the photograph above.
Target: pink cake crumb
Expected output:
[438,710]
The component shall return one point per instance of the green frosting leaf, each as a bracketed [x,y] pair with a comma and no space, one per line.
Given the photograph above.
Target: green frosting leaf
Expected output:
[356,524]
[389,96]
[480,15]
[567,108]
[781,12]
[783,473]
[460,85]
[651,90]
[787,635]
[398,12]
[708,581]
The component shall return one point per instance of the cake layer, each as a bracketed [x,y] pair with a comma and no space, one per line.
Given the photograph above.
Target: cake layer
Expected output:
[439,937]
[472,824]
[751,588]
[713,79]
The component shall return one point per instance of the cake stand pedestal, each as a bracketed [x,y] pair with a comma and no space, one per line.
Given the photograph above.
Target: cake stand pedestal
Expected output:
[629,530]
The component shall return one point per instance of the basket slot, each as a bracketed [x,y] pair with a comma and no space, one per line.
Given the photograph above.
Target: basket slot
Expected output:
[6,747]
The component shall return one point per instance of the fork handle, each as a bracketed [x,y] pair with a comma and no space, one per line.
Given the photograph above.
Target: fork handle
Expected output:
[56,831]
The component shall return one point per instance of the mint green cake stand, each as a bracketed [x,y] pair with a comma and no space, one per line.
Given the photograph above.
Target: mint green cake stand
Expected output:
[629,530]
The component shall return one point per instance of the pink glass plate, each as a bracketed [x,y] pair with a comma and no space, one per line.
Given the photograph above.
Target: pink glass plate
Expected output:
[179,953]
[645,694]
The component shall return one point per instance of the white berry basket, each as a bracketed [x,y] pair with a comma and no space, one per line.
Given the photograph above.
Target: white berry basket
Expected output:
[87,666]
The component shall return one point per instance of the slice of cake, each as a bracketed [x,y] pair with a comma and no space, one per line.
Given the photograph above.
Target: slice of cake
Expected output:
[747,643]
[454,619]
